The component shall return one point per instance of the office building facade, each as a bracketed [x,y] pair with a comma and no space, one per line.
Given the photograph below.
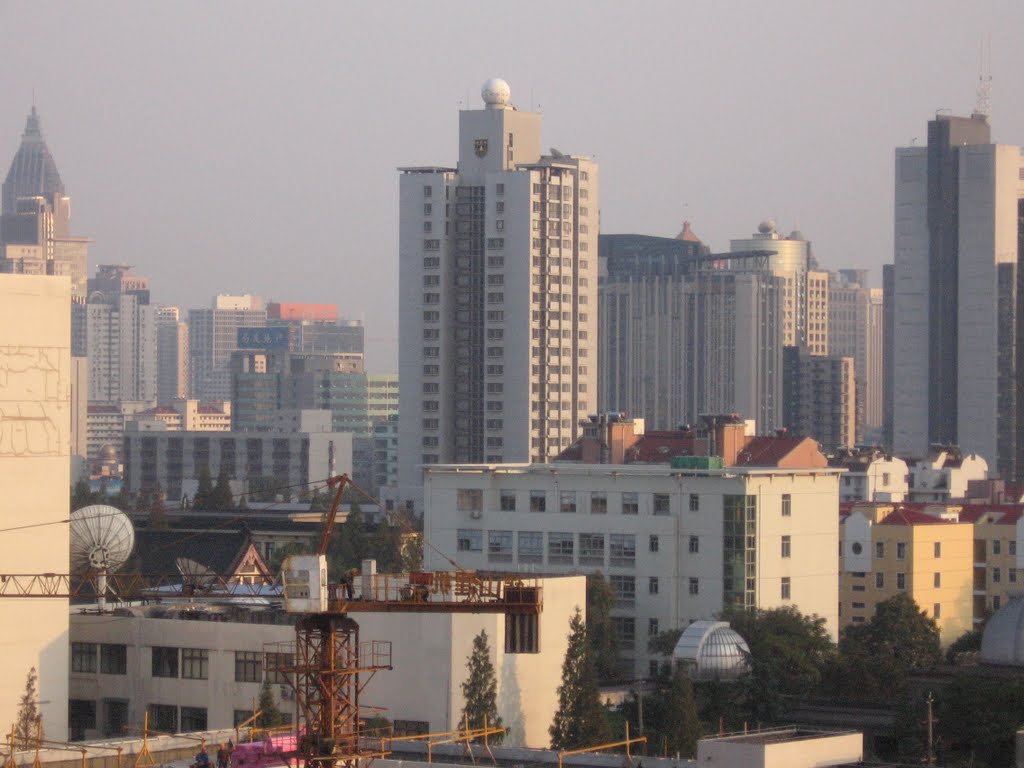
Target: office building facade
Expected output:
[213,336]
[956,294]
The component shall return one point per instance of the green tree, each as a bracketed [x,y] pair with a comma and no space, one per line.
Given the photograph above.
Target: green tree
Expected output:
[664,643]
[204,493]
[683,722]
[876,658]
[602,637]
[350,544]
[83,496]
[157,510]
[270,715]
[580,720]
[967,644]
[221,496]
[790,655]
[978,719]
[480,688]
[124,500]
[27,726]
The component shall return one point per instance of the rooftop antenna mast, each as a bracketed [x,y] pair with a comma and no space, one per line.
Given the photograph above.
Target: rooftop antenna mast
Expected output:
[983,107]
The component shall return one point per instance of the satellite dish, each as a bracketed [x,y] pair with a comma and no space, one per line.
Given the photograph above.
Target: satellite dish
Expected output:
[102,538]
[195,576]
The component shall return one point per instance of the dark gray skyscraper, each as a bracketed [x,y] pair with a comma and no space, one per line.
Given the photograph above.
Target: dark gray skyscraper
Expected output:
[35,216]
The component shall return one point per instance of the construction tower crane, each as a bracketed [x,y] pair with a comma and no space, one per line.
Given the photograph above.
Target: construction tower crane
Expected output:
[331,665]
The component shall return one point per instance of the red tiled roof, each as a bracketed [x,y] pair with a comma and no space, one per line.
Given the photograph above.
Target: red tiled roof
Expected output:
[660,447]
[767,450]
[904,516]
[1003,514]
[573,453]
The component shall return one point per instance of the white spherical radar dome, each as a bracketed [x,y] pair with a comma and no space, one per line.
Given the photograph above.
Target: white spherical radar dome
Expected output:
[496,91]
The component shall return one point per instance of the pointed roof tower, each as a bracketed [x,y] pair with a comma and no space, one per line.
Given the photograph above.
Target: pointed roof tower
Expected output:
[33,172]
[688,234]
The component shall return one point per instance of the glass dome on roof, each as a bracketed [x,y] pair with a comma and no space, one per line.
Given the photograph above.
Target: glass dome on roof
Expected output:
[712,650]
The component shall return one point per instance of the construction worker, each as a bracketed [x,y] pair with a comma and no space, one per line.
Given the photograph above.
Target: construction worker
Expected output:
[202,758]
[348,582]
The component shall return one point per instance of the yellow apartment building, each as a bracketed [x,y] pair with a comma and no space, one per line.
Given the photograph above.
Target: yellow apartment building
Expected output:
[886,549]
[997,569]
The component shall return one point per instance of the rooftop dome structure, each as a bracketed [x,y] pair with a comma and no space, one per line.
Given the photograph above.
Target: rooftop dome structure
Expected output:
[1003,639]
[495,92]
[712,650]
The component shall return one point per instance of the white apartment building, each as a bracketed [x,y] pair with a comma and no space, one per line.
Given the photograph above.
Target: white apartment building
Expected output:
[121,345]
[855,330]
[35,473]
[497,296]
[676,545]
[200,667]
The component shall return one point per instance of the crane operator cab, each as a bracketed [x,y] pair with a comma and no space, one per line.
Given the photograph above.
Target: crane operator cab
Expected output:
[305,583]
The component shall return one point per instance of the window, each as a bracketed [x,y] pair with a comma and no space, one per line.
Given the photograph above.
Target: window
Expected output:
[165,662]
[560,548]
[652,627]
[625,589]
[538,501]
[469,540]
[625,628]
[694,502]
[113,659]
[996,576]
[193,719]
[531,547]
[195,663]
[427,190]
[163,718]
[1012,546]
[652,543]
[694,585]
[522,635]
[508,501]
[901,550]
[652,585]
[567,501]
[785,588]
[82,718]
[661,503]
[248,667]
[937,609]
[598,503]
[630,503]
[879,550]
[499,546]
[787,505]
[937,580]
[275,665]
[469,499]
[879,581]
[591,549]
[432,244]
[786,546]
[622,548]
[83,657]
[694,545]
[938,549]
[997,547]
[901,581]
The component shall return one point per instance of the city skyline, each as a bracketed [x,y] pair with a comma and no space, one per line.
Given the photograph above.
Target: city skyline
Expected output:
[163,136]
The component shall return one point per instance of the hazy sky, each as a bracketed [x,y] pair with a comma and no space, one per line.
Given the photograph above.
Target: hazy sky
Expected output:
[234,147]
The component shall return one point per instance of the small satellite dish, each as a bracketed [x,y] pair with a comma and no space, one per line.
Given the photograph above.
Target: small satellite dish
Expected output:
[195,576]
[102,538]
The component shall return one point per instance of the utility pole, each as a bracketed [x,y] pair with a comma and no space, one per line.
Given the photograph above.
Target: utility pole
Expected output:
[930,756]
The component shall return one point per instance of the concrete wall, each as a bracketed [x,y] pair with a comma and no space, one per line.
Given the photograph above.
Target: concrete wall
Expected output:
[35,474]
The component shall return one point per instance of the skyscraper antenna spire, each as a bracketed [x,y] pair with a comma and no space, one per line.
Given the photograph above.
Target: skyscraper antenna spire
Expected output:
[983,106]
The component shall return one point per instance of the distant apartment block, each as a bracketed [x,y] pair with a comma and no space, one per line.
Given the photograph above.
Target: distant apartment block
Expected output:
[213,336]
[172,356]
[820,397]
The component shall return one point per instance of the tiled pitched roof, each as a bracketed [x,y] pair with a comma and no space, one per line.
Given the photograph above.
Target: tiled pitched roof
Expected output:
[660,447]
[767,450]
[218,550]
[1002,514]
[905,516]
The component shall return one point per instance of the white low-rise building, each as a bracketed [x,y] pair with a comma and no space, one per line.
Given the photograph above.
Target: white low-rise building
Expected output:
[199,667]
[677,545]
[872,476]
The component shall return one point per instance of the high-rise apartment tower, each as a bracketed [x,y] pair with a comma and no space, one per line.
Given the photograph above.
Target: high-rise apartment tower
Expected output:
[497,296]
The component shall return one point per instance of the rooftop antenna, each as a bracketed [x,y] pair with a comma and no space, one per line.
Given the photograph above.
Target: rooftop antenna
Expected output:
[983,106]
